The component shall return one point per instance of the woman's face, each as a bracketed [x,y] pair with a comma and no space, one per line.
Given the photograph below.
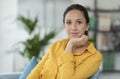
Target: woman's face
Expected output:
[75,24]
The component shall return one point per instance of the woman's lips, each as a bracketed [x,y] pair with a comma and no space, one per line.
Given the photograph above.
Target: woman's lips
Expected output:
[74,34]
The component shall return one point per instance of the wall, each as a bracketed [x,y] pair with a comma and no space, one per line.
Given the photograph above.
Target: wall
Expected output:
[9,33]
[49,12]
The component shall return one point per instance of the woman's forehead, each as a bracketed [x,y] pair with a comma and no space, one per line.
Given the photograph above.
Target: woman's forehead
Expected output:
[75,14]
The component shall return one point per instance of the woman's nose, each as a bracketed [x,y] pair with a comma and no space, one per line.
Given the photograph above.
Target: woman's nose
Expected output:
[73,27]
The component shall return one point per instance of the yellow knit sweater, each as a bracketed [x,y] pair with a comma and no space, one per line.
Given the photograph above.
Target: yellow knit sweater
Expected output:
[57,64]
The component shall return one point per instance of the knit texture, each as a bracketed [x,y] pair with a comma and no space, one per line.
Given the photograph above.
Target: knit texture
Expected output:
[57,64]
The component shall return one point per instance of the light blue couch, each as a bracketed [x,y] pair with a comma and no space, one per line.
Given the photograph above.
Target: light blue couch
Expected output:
[16,75]
[13,75]
[30,66]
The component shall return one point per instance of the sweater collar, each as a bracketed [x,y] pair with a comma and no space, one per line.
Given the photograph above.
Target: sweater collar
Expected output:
[91,48]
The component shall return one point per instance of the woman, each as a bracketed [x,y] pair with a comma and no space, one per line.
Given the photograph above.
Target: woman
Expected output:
[71,58]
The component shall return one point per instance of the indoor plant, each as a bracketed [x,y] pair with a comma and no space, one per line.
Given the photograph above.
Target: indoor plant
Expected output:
[34,44]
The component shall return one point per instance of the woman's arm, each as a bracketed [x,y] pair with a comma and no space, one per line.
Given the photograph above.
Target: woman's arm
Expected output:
[35,72]
[83,71]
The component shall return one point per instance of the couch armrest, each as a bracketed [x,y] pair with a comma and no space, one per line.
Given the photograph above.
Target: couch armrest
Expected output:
[13,75]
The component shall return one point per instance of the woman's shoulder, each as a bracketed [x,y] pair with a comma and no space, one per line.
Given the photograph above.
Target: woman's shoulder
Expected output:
[99,54]
[60,42]
[58,46]
[95,52]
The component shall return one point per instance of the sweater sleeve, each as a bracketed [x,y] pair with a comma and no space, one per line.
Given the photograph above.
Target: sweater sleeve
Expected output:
[88,67]
[35,72]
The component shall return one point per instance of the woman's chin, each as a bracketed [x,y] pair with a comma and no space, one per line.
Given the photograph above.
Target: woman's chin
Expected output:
[74,37]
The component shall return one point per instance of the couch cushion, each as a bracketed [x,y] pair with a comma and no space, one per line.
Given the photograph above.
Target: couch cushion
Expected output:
[12,75]
[33,62]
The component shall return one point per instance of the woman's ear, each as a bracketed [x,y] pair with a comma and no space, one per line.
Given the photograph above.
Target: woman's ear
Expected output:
[86,30]
[87,26]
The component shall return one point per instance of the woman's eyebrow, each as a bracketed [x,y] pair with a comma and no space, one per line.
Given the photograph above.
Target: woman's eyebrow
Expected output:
[75,19]
[67,20]
[79,19]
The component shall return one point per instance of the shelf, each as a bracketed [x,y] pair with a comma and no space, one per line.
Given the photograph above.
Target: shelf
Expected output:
[103,10]
[109,51]
[105,31]
[111,71]
[112,11]
[110,54]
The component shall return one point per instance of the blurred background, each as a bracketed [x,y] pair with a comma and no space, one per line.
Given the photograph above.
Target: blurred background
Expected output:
[25,24]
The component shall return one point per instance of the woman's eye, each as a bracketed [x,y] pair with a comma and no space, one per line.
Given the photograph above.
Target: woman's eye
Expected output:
[79,22]
[68,22]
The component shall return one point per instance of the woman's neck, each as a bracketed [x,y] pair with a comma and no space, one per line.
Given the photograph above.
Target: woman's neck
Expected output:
[77,49]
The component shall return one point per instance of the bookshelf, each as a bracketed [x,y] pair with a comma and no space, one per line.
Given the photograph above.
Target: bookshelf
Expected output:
[106,35]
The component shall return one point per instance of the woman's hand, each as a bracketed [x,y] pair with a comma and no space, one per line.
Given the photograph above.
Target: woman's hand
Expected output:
[78,42]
